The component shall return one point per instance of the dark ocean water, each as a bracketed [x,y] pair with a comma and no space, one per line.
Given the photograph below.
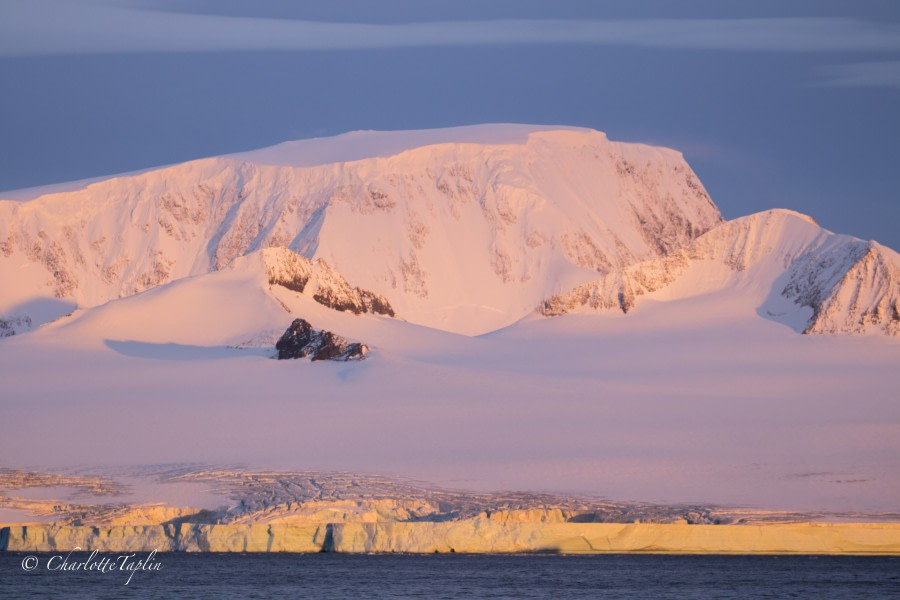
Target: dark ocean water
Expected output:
[225,576]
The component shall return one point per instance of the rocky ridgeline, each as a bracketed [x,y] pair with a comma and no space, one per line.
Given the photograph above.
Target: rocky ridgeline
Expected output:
[865,295]
[301,340]
[852,286]
[318,279]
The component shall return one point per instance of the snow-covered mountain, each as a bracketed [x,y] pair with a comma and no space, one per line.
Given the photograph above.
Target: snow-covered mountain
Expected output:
[465,229]
[182,280]
[780,261]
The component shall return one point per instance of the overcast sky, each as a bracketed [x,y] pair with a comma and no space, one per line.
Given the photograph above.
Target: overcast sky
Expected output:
[775,103]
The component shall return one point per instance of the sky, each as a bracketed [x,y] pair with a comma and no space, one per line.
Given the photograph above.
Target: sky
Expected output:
[775,103]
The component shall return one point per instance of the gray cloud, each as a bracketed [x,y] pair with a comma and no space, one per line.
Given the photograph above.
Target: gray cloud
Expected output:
[47,27]
[864,74]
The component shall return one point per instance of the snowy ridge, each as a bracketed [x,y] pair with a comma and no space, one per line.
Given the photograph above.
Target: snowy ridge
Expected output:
[318,280]
[465,235]
[246,305]
[779,259]
[864,298]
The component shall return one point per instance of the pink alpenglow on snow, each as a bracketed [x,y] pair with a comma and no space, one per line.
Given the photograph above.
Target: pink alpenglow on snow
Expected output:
[543,309]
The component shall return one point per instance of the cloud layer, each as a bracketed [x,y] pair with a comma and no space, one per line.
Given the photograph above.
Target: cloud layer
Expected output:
[48,27]
[864,74]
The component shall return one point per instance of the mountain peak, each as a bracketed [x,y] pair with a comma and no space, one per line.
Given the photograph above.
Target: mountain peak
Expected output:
[782,213]
[778,262]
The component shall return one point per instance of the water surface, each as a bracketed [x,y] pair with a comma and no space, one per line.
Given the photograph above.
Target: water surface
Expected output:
[450,576]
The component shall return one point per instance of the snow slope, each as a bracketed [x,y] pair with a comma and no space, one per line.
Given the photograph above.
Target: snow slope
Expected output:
[179,281]
[464,229]
[247,304]
[780,262]
[686,400]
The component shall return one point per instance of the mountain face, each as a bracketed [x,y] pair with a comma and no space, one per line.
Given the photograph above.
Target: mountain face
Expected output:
[465,229]
[467,234]
[795,271]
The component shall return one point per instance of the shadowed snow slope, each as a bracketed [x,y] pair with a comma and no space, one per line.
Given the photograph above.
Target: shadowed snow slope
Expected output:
[463,229]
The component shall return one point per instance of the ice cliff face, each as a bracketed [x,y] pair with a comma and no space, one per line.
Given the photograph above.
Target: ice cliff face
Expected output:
[456,234]
[781,259]
[467,536]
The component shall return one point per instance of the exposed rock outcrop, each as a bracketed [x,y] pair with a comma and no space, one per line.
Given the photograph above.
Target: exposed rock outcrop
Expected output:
[316,278]
[855,292]
[301,340]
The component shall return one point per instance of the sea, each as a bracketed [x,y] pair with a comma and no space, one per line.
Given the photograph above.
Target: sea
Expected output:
[448,576]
